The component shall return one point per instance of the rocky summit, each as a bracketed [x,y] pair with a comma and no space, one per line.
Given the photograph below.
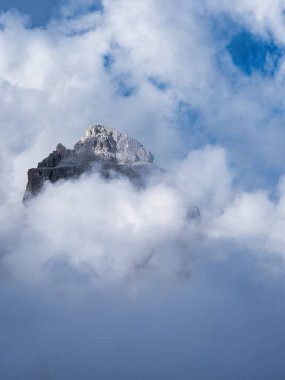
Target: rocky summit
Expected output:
[105,149]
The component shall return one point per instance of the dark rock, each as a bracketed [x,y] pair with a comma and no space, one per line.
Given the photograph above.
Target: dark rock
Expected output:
[111,152]
[193,213]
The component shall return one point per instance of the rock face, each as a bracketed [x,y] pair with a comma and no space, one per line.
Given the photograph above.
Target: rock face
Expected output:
[107,149]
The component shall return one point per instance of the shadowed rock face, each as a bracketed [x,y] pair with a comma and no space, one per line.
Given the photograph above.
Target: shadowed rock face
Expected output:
[111,152]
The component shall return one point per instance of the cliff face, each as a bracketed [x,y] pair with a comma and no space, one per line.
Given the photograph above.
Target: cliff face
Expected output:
[111,152]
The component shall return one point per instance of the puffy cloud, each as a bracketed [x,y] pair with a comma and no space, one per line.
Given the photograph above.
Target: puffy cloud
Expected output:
[259,16]
[255,219]
[71,256]
[114,228]
[55,77]
[115,231]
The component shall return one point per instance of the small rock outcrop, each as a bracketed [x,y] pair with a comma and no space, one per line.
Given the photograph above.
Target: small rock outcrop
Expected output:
[112,151]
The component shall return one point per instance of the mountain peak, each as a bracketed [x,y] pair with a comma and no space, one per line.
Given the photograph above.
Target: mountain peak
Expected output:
[110,144]
[114,151]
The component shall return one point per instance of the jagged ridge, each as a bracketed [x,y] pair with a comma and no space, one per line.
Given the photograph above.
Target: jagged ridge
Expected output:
[112,150]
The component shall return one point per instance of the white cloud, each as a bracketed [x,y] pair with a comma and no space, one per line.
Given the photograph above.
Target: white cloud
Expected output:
[113,227]
[118,231]
[54,322]
[54,85]
[259,16]
[255,220]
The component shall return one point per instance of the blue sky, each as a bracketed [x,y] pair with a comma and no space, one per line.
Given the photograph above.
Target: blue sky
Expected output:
[201,85]
[252,54]
[39,12]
